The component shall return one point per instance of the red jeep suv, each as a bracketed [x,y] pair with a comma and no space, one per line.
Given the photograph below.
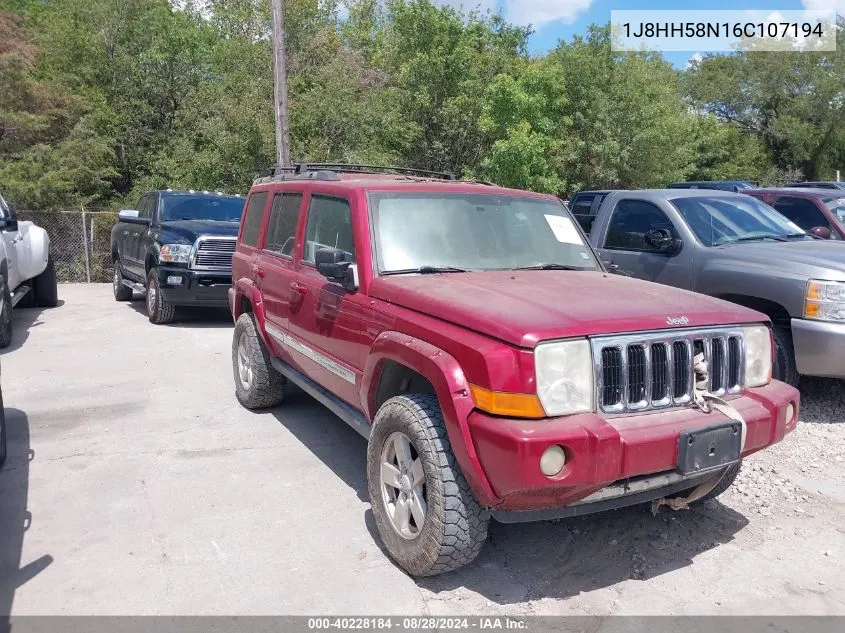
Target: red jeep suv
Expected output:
[497,370]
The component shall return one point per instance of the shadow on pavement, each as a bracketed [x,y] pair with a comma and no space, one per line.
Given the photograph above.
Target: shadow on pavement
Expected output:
[189,317]
[331,440]
[554,559]
[15,519]
[24,320]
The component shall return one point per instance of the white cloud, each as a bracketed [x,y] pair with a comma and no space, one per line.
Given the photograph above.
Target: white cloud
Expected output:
[537,13]
[825,5]
[694,60]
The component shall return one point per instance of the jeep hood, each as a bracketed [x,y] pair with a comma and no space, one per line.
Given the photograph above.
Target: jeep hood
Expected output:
[525,307]
[189,230]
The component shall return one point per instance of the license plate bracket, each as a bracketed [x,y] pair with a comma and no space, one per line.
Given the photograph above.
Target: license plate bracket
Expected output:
[709,448]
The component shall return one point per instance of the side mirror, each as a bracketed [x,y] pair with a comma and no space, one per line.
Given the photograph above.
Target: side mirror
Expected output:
[131,216]
[820,231]
[332,264]
[662,240]
[10,223]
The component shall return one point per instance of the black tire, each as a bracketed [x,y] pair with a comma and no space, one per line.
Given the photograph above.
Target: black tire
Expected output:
[2,431]
[45,290]
[159,311]
[6,317]
[725,482]
[784,368]
[454,527]
[265,387]
[121,291]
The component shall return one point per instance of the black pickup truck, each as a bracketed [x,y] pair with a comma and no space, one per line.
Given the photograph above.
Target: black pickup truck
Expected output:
[176,248]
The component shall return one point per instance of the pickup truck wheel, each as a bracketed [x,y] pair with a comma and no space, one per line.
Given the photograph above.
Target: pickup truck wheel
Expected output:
[159,311]
[44,287]
[784,367]
[121,291]
[6,317]
[2,432]
[424,510]
[257,384]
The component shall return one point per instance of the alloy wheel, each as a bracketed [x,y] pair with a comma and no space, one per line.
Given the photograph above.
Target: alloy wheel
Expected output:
[403,488]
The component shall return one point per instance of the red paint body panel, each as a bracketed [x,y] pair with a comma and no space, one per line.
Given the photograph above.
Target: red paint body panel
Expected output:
[600,451]
[480,328]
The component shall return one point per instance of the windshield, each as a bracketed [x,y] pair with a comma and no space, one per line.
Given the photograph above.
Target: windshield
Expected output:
[203,207]
[837,206]
[719,220]
[466,231]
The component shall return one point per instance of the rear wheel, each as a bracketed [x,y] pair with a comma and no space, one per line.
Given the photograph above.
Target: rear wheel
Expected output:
[122,292]
[784,367]
[45,290]
[159,311]
[257,384]
[424,510]
[6,317]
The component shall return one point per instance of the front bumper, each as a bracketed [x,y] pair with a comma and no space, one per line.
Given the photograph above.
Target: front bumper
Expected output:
[602,451]
[195,287]
[819,347]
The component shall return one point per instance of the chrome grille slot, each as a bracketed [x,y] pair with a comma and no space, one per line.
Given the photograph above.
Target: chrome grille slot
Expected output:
[213,253]
[611,363]
[638,385]
[650,370]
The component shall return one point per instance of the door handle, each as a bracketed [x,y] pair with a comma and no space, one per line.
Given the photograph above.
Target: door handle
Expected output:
[257,271]
[298,288]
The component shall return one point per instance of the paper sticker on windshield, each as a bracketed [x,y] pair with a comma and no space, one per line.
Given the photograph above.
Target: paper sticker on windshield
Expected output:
[564,229]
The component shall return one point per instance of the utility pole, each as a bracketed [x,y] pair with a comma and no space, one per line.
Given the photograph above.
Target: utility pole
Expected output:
[280,81]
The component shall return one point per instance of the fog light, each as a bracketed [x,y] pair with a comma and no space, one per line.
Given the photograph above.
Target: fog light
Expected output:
[171,279]
[552,461]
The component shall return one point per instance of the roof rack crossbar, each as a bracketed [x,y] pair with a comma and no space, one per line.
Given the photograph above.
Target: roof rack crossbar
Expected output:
[373,169]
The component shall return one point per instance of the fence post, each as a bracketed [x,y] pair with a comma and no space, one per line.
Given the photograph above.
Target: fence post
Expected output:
[85,246]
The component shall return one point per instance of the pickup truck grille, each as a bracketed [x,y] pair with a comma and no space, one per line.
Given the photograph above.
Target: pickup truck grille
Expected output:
[213,253]
[651,370]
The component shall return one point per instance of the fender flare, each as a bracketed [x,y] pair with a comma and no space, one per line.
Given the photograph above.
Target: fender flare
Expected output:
[444,372]
[247,288]
[39,243]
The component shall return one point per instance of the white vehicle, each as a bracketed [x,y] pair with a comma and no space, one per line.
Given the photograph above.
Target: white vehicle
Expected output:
[27,275]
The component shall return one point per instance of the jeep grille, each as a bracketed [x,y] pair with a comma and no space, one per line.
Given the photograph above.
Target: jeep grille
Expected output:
[213,253]
[652,370]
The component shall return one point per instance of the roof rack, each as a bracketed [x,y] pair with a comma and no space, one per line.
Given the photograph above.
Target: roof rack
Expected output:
[330,171]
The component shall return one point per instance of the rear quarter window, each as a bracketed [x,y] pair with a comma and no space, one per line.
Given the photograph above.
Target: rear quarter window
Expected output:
[253,216]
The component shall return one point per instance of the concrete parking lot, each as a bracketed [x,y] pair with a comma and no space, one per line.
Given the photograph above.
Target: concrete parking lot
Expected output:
[136,484]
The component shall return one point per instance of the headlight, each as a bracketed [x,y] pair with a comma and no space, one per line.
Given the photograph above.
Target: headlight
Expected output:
[175,253]
[825,300]
[565,379]
[758,355]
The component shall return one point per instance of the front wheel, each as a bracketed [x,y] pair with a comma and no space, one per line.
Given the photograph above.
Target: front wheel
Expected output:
[257,384]
[784,367]
[159,311]
[425,512]
[45,289]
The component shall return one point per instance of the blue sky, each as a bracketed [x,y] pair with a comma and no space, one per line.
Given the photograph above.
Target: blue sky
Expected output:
[554,20]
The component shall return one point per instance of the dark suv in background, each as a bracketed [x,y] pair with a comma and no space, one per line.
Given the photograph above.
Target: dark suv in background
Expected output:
[722,185]
[817,211]
[176,248]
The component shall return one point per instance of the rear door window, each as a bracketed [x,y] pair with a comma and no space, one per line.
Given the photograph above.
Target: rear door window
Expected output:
[329,226]
[253,217]
[801,211]
[585,207]
[281,228]
[631,220]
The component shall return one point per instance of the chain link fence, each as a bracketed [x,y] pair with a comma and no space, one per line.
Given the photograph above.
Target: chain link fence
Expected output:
[80,242]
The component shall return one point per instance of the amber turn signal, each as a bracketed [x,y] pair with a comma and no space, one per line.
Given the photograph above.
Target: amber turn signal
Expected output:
[518,405]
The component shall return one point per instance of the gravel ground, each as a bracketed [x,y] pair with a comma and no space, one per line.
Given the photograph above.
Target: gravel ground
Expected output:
[136,484]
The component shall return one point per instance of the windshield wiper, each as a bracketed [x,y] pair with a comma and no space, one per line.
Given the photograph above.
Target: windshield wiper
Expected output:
[549,267]
[425,270]
[749,238]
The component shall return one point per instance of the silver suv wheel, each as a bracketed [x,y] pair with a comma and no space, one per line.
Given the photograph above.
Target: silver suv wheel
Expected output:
[403,485]
[244,363]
